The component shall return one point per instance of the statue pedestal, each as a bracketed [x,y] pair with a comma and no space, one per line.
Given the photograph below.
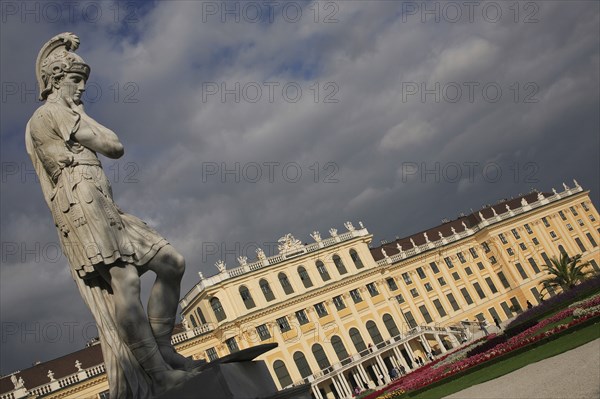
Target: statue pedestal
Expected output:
[235,377]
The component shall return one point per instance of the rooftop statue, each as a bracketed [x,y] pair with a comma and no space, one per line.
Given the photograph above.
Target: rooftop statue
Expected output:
[108,250]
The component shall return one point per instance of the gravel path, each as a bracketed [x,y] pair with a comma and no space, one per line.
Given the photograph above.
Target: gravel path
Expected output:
[572,374]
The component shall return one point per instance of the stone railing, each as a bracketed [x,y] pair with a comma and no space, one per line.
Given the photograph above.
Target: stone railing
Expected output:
[368,353]
[270,261]
[481,225]
[194,332]
[56,385]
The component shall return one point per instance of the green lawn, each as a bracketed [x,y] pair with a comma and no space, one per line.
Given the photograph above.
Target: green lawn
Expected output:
[558,346]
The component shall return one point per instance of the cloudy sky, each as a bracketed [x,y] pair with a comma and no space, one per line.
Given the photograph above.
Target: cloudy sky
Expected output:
[245,121]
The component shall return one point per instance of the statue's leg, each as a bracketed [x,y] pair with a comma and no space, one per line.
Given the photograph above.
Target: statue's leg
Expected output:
[134,328]
[169,266]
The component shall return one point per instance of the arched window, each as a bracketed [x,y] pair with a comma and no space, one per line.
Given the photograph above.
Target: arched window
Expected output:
[390,324]
[302,364]
[246,297]
[340,349]
[266,289]
[323,271]
[339,264]
[357,340]
[374,333]
[193,320]
[285,283]
[320,357]
[217,308]
[201,316]
[304,277]
[282,373]
[356,259]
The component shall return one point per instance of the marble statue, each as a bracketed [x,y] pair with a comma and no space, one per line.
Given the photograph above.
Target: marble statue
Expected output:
[316,236]
[108,250]
[221,266]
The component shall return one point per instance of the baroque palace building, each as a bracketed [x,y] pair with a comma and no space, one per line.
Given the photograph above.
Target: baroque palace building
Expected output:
[345,313]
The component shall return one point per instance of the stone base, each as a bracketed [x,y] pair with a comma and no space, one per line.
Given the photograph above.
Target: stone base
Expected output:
[235,376]
[239,380]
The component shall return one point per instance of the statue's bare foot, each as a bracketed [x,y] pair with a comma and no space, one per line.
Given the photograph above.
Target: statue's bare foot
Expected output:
[179,362]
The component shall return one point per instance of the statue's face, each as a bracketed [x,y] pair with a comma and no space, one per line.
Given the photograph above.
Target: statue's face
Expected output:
[71,87]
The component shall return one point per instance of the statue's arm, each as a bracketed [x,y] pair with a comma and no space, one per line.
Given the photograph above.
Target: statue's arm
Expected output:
[99,138]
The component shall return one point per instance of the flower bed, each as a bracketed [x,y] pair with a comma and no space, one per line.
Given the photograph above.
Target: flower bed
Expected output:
[582,290]
[442,368]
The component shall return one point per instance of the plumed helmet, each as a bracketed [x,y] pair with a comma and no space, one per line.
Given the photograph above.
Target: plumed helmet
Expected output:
[56,58]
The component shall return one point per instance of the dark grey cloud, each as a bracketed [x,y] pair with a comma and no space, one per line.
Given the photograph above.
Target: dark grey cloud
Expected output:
[149,81]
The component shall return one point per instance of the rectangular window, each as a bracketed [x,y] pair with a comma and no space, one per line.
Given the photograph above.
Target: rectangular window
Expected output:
[585,207]
[493,260]
[301,317]
[534,265]
[516,305]
[211,354]
[480,317]
[441,281]
[486,247]
[545,221]
[412,323]
[535,241]
[562,215]
[522,246]
[414,292]
[572,208]
[503,280]
[455,276]
[283,324]
[263,332]
[515,233]
[528,229]
[425,313]
[355,294]
[510,251]
[479,290]
[438,306]
[592,218]
[546,259]
[421,273]
[580,222]
[448,262]
[490,284]
[372,289]
[552,234]
[480,266]
[406,278]
[506,310]
[321,309]
[434,267]
[502,238]
[521,270]
[569,227]
[494,314]
[338,301]
[580,244]
[232,345]
[400,298]
[461,257]
[453,302]
[468,271]
[473,253]
[536,294]
[428,287]
[392,284]
[466,295]
[594,265]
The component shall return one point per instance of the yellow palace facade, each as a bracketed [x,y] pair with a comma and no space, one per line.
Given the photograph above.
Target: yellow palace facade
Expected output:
[345,313]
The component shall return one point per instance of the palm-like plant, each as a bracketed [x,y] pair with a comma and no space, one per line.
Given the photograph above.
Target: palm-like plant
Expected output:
[565,272]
